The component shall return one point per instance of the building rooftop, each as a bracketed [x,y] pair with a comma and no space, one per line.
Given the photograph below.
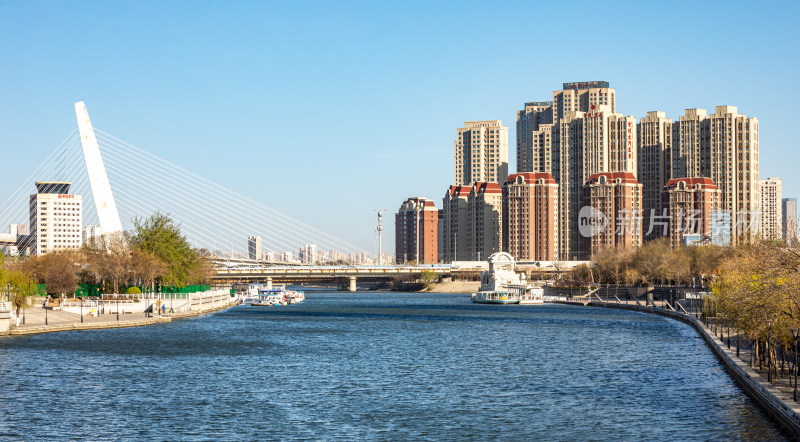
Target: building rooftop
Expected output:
[458,190]
[487,187]
[690,182]
[59,187]
[586,85]
[531,177]
[625,177]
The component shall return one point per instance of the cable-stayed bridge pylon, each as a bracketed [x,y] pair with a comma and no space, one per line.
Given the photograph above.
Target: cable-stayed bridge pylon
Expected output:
[140,183]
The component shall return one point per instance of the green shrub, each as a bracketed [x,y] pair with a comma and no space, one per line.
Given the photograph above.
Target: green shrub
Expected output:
[133,291]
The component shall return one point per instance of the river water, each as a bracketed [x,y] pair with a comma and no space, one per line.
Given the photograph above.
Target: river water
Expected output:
[378,366]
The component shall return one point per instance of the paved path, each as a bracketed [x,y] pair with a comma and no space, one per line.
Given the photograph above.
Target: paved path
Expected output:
[35,317]
[57,320]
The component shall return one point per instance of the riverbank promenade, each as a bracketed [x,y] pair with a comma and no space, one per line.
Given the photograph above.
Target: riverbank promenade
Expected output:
[36,319]
[734,353]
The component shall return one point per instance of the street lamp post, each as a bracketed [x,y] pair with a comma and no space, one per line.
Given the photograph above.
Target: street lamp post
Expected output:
[794,335]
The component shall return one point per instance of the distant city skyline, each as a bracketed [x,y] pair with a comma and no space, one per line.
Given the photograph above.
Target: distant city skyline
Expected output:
[263,105]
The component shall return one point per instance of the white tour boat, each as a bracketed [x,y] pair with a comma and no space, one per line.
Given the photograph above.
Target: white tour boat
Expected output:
[502,285]
[259,295]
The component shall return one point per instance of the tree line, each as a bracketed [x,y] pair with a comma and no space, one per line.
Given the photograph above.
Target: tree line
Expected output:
[153,253]
[656,262]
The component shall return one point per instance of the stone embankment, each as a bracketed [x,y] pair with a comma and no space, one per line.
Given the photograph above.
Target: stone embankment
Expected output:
[778,403]
[37,320]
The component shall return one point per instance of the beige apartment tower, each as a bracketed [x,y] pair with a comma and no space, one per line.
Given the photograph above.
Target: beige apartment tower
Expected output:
[453,233]
[723,147]
[655,147]
[481,153]
[586,137]
[771,208]
[530,121]
[484,220]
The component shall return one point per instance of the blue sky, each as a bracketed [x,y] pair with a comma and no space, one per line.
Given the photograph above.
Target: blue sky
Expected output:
[326,111]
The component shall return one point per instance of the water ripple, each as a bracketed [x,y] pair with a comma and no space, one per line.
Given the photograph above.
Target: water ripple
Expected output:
[378,366]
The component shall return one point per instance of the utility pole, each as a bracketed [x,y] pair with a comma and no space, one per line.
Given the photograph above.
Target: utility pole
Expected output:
[380,230]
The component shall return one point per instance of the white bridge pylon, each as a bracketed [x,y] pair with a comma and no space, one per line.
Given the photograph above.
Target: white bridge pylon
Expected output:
[107,213]
[211,216]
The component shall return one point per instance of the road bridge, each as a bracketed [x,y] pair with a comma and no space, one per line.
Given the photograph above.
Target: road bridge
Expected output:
[345,276]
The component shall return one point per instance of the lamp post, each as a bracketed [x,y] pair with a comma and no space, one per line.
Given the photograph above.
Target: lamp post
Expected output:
[794,335]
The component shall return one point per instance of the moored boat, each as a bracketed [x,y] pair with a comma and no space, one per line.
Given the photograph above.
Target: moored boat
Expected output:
[502,285]
[275,296]
[495,297]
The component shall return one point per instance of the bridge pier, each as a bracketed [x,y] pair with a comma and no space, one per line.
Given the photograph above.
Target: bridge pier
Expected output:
[269,282]
[352,283]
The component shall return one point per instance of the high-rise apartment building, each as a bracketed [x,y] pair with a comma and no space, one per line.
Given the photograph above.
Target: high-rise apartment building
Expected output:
[55,218]
[691,145]
[789,211]
[771,193]
[530,216]
[655,147]
[453,232]
[416,231]
[90,232]
[722,146]
[586,137]
[254,247]
[582,96]
[734,157]
[285,257]
[484,220]
[614,201]
[691,204]
[481,152]
[308,254]
[529,121]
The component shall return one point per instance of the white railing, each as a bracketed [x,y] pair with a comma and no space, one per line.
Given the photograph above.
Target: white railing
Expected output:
[5,307]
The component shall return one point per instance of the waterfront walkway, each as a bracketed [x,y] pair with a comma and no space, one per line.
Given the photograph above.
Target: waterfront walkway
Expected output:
[37,320]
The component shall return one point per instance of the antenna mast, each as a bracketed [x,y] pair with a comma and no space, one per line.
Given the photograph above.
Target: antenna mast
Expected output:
[380,230]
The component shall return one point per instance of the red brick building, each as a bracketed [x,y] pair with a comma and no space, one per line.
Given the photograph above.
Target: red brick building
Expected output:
[417,232]
[690,203]
[530,216]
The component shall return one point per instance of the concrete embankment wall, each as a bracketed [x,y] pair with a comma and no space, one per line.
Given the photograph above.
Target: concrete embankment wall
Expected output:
[769,398]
